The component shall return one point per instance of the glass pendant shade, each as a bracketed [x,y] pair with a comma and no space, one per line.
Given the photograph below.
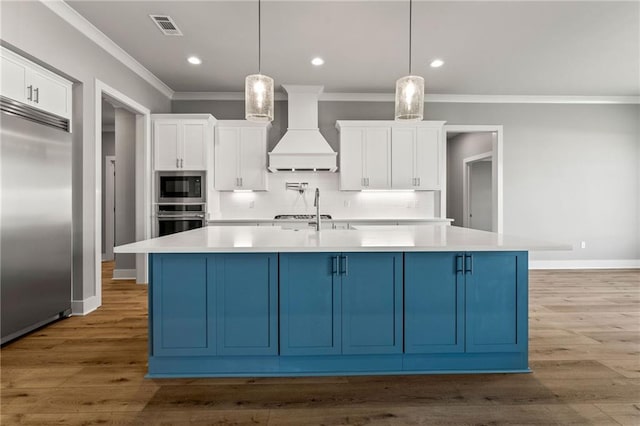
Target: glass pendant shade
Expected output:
[410,98]
[258,98]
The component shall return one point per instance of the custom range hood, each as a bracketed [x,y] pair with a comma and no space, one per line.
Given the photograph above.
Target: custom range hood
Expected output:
[302,148]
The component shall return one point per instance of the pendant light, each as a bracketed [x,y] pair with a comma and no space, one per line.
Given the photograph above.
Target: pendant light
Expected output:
[258,89]
[410,89]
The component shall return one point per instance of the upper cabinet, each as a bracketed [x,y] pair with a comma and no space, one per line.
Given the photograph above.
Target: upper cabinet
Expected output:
[416,155]
[391,155]
[182,141]
[28,83]
[241,155]
[365,158]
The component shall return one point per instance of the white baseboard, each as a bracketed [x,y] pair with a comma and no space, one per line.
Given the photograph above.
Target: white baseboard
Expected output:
[124,274]
[585,264]
[86,306]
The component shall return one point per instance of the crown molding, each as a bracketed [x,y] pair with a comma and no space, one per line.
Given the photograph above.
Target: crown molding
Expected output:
[430,98]
[80,23]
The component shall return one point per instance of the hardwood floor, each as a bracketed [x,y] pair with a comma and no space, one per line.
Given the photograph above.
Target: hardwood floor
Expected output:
[584,352]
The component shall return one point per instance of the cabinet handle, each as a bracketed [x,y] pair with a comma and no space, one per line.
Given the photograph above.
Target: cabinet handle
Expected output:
[182,163]
[468,263]
[177,163]
[344,265]
[459,263]
[36,92]
[418,182]
[334,265]
[30,89]
[241,182]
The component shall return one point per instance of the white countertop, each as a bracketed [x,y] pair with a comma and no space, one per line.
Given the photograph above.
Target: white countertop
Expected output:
[269,239]
[334,219]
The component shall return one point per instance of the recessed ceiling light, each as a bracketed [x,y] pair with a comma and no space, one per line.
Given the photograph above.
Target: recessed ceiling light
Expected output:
[317,61]
[437,63]
[194,60]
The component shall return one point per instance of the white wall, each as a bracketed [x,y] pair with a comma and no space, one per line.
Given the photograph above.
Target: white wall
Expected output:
[458,148]
[34,30]
[570,171]
[125,189]
[108,149]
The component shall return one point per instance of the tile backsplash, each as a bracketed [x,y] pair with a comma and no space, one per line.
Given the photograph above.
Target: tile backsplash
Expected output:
[339,204]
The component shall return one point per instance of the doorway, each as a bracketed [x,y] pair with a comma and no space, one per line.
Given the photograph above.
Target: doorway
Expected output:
[476,192]
[473,191]
[109,211]
[141,182]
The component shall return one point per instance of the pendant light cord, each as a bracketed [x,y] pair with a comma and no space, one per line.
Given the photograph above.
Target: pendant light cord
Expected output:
[410,22]
[259,38]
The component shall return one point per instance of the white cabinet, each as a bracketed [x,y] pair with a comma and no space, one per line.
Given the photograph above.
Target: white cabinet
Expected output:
[391,155]
[365,158]
[241,155]
[182,141]
[416,154]
[26,82]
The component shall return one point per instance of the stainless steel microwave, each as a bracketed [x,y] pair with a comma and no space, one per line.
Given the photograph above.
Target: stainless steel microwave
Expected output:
[181,187]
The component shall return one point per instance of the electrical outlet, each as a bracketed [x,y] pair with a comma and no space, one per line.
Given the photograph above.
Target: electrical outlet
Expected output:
[583,244]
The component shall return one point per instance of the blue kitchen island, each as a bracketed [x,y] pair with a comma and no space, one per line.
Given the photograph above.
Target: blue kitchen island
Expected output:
[261,301]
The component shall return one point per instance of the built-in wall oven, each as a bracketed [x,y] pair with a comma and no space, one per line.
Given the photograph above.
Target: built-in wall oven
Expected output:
[181,187]
[173,218]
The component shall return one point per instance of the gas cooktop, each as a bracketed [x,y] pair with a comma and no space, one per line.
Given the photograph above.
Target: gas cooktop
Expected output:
[300,216]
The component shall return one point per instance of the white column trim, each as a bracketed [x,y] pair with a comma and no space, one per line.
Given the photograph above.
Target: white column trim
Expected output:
[86,306]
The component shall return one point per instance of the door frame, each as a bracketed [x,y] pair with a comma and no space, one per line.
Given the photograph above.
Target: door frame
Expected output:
[466,184]
[497,220]
[142,173]
[109,199]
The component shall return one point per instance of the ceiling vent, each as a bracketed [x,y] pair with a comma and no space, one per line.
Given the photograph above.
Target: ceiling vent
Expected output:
[166,25]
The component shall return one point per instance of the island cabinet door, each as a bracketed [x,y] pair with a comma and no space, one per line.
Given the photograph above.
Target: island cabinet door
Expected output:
[371,303]
[496,298]
[310,312]
[179,300]
[246,303]
[434,302]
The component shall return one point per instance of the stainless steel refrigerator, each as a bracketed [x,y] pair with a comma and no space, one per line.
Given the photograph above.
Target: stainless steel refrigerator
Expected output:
[35,218]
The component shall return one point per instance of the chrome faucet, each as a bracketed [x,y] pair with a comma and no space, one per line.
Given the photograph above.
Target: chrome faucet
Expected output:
[316,204]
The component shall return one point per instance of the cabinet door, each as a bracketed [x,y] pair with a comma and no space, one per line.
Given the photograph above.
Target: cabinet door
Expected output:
[179,302]
[166,135]
[351,159]
[496,300]
[195,140]
[434,302]
[371,303]
[403,158]
[253,158]
[13,82]
[428,154]
[49,93]
[377,158]
[227,159]
[310,311]
[247,304]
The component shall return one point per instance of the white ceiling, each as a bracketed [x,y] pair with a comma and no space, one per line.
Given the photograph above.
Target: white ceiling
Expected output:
[589,48]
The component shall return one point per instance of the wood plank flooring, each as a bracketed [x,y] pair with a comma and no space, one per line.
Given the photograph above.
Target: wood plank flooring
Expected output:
[584,352]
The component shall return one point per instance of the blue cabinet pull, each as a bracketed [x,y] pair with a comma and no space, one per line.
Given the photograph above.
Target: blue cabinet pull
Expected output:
[344,265]
[334,265]
[459,265]
[468,263]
